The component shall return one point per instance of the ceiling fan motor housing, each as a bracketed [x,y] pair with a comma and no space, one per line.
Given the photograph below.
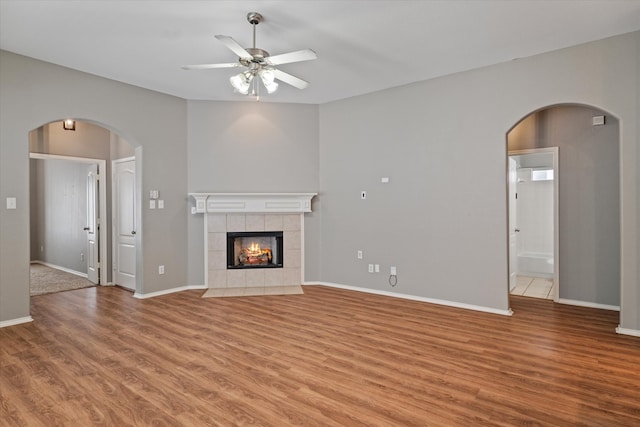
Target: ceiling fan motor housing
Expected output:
[254,18]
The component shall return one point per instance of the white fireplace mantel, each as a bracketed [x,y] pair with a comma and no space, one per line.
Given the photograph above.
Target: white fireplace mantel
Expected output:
[252,202]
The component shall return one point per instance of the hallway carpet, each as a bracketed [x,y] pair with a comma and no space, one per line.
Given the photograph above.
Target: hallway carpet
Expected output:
[46,280]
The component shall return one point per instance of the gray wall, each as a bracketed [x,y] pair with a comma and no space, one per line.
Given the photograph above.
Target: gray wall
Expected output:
[35,93]
[589,197]
[251,147]
[59,213]
[442,219]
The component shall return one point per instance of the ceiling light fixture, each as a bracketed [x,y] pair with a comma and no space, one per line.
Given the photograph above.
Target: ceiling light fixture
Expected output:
[69,124]
[259,63]
[241,82]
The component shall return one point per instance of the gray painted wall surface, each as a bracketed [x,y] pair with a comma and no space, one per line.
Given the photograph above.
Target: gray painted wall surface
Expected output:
[251,147]
[442,218]
[35,93]
[59,189]
[589,197]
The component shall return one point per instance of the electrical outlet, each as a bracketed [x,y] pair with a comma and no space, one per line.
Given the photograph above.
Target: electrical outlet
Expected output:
[370,268]
[161,269]
[393,271]
[359,254]
[160,204]
[377,268]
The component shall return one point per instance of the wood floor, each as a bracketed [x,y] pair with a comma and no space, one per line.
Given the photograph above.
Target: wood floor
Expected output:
[329,357]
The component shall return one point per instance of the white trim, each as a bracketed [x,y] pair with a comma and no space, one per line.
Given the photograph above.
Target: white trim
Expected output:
[416,298]
[168,291]
[57,267]
[626,331]
[102,194]
[18,321]
[253,202]
[588,304]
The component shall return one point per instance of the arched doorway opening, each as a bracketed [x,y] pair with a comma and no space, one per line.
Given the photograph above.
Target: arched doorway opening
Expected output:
[69,232]
[587,140]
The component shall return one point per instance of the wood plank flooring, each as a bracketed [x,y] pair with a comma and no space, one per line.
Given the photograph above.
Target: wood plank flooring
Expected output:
[329,357]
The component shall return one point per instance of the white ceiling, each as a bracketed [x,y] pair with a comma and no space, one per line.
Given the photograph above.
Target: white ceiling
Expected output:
[362,46]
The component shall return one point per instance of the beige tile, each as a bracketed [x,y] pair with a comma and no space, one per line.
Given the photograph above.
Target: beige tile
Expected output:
[217,260]
[236,278]
[518,290]
[292,239]
[234,292]
[214,293]
[291,222]
[291,276]
[217,241]
[523,281]
[273,290]
[273,277]
[254,277]
[236,223]
[254,291]
[254,222]
[216,223]
[292,259]
[217,278]
[292,290]
[273,223]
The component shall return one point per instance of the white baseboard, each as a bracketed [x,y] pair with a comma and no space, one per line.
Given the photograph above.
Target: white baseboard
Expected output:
[416,298]
[626,331]
[17,321]
[57,267]
[588,304]
[168,291]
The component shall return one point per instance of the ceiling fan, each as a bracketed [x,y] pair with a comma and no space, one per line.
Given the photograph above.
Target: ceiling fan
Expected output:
[258,63]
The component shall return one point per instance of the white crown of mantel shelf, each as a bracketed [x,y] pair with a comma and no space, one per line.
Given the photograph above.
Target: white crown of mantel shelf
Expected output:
[253,202]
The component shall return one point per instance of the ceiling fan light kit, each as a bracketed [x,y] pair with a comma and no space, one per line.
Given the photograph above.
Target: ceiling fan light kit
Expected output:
[258,62]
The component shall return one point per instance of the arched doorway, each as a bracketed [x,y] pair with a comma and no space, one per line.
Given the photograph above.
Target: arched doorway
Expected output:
[85,144]
[587,141]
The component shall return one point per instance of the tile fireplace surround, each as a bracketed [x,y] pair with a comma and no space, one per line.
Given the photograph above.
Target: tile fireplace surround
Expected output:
[237,212]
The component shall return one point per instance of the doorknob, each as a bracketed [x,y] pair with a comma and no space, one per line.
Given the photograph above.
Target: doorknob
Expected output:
[133,232]
[86,229]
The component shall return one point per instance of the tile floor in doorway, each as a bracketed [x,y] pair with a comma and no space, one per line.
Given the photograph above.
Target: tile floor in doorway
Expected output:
[536,287]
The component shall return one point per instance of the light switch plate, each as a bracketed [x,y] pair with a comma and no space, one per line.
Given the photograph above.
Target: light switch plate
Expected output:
[11,203]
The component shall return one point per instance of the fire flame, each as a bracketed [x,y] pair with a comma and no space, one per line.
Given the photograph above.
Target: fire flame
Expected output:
[255,248]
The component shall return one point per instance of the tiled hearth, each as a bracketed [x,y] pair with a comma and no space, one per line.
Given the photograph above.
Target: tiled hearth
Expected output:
[253,212]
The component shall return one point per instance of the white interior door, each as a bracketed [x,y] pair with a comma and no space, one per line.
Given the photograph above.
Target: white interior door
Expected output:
[124,223]
[513,226]
[92,225]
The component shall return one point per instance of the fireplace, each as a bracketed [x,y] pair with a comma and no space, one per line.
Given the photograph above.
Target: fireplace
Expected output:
[253,213]
[255,249]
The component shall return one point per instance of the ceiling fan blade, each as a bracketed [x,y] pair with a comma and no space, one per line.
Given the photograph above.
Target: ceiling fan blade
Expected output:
[210,66]
[289,79]
[297,56]
[234,47]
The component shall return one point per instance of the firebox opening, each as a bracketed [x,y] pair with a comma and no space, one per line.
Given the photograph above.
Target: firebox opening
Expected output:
[259,249]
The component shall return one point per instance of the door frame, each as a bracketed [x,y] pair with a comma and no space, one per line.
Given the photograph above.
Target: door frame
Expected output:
[102,200]
[556,218]
[114,207]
